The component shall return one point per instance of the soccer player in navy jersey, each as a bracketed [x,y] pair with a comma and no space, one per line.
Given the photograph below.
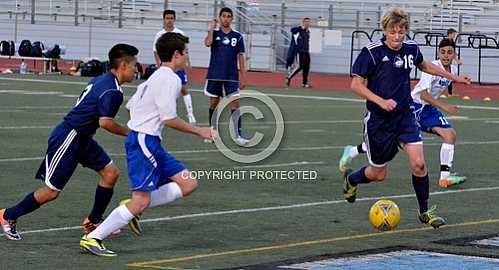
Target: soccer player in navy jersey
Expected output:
[426,107]
[382,76]
[71,143]
[223,78]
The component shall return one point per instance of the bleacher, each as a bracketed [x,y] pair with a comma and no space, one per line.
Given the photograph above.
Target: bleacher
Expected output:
[89,27]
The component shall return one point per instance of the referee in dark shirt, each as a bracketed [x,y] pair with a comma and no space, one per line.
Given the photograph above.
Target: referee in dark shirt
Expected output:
[301,37]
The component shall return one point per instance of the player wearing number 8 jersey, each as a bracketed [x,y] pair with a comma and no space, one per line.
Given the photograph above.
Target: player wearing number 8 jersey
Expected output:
[71,143]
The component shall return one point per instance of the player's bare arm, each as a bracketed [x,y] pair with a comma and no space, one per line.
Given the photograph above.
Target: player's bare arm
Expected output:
[448,108]
[358,86]
[113,127]
[181,125]
[433,69]
[209,38]
[242,72]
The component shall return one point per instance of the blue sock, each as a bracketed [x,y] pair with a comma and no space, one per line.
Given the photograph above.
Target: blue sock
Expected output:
[422,188]
[26,206]
[102,198]
[236,118]
[358,177]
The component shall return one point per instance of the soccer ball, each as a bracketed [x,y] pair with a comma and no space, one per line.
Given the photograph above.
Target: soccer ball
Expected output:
[384,215]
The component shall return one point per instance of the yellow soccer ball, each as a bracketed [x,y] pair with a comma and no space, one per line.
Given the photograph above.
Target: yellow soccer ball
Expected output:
[384,215]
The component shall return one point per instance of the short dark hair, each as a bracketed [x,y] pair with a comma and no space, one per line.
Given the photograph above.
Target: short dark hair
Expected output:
[169,12]
[446,42]
[226,9]
[451,30]
[306,18]
[120,52]
[168,43]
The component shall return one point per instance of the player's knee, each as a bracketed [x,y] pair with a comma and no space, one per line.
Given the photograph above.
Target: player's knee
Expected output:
[189,187]
[376,175]
[110,176]
[45,195]
[418,168]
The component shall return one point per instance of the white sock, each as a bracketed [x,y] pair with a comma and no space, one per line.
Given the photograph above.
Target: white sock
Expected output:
[118,218]
[188,104]
[354,152]
[446,158]
[165,194]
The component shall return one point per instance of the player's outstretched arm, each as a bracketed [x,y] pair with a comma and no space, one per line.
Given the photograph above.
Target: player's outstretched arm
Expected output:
[359,87]
[113,127]
[433,69]
[181,125]
[448,108]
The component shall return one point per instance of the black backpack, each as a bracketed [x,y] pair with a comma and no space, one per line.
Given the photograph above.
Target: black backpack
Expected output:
[25,48]
[37,49]
[149,71]
[92,68]
[53,52]
[7,48]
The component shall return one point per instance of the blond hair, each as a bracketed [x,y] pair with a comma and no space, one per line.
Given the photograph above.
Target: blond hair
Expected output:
[395,16]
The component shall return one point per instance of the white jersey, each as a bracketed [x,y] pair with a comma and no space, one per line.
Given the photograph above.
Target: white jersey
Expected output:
[160,33]
[436,85]
[154,101]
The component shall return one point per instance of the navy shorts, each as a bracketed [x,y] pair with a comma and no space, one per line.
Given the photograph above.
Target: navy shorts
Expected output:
[384,134]
[149,164]
[214,88]
[183,76]
[65,150]
[429,117]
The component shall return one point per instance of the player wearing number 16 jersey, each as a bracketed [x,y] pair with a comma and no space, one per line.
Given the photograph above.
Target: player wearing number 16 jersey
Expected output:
[382,76]
[71,143]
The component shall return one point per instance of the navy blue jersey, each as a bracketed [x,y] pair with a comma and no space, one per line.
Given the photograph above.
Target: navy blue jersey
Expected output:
[225,50]
[101,98]
[388,72]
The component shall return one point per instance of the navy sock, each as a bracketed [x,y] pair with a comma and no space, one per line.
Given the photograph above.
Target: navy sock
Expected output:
[236,118]
[102,198]
[358,177]
[26,206]
[422,188]
[211,115]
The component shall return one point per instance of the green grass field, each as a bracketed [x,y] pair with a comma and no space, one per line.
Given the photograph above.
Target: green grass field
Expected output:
[230,222]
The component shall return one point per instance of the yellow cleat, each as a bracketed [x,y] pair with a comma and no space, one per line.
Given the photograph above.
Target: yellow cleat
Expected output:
[134,224]
[95,247]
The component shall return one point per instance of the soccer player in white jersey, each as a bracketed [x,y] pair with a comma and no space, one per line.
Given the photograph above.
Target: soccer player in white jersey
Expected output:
[169,17]
[156,176]
[425,107]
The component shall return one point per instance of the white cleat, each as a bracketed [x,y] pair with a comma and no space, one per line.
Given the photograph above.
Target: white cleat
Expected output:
[242,141]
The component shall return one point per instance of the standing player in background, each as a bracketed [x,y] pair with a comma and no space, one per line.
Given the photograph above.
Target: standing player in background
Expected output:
[300,44]
[169,17]
[223,78]
[382,76]
[430,119]
[71,143]
[157,178]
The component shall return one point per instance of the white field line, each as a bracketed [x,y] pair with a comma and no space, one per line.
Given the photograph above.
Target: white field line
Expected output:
[310,148]
[272,208]
[268,94]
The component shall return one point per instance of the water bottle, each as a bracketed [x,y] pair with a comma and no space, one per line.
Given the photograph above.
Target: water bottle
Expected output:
[23,69]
